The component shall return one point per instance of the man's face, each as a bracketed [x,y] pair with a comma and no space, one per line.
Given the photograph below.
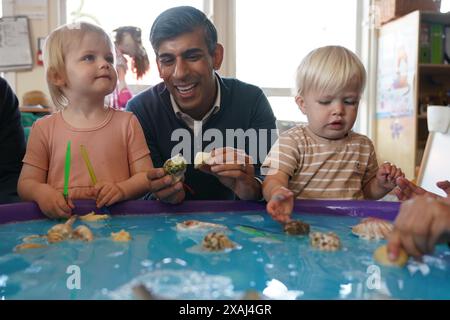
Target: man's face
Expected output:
[187,68]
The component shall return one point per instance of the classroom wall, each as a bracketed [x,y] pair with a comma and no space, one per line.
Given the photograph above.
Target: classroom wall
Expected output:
[34,79]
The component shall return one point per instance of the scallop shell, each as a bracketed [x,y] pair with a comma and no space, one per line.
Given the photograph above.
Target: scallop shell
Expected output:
[325,241]
[372,229]
[215,241]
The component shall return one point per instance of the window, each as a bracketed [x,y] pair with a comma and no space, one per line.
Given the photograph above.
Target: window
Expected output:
[445,6]
[274,36]
[116,13]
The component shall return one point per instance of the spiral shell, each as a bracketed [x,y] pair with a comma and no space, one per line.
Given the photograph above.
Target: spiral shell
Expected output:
[61,232]
[54,237]
[296,227]
[83,233]
[325,241]
[215,241]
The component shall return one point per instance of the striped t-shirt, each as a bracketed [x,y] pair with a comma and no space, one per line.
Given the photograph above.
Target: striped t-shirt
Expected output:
[320,168]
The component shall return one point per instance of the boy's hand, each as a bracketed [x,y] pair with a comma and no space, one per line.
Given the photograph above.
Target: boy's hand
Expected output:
[108,194]
[387,175]
[52,203]
[281,205]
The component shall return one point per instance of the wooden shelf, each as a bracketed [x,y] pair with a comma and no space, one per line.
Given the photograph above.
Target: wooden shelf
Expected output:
[35,110]
[434,69]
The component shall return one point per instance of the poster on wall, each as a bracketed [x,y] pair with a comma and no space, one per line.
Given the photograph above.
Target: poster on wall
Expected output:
[33,9]
[15,47]
[397,68]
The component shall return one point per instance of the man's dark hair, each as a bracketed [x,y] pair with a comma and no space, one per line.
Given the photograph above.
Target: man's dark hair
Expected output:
[179,20]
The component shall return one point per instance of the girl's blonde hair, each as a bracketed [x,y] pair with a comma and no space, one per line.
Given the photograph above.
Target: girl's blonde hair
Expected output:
[330,69]
[57,45]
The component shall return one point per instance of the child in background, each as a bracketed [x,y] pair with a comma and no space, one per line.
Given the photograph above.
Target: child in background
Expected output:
[128,42]
[325,159]
[79,63]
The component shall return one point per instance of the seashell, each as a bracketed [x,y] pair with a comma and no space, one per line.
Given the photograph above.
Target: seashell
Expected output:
[176,167]
[27,246]
[372,229]
[215,241]
[381,256]
[201,159]
[251,295]
[195,225]
[53,237]
[121,236]
[83,233]
[61,232]
[93,217]
[296,227]
[33,237]
[325,241]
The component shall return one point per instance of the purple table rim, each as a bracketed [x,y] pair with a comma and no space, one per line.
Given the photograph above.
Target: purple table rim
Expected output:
[24,211]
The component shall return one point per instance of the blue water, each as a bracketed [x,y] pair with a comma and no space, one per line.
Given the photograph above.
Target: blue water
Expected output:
[171,264]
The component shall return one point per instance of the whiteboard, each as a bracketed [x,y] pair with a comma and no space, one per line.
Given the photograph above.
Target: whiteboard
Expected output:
[435,164]
[15,45]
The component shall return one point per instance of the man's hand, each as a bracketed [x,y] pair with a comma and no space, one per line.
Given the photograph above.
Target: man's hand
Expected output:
[406,189]
[161,185]
[235,170]
[421,223]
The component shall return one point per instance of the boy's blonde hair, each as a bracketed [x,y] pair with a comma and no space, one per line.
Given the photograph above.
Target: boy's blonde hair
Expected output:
[57,44]
[329,69]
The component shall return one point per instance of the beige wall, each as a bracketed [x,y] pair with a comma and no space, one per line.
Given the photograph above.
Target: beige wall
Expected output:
[34,79]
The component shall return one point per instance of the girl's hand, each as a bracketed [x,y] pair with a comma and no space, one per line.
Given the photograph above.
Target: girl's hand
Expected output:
[108,193]
[52,203]
[387,175]
[281,204]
